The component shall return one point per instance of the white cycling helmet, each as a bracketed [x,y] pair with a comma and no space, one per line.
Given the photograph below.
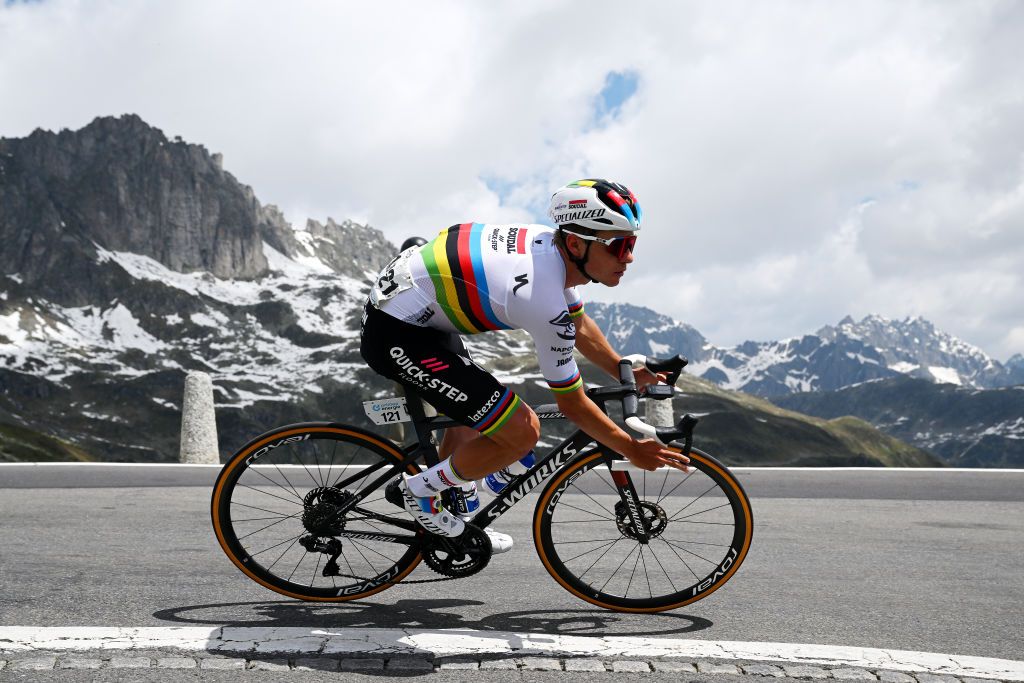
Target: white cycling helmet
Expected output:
[596,204]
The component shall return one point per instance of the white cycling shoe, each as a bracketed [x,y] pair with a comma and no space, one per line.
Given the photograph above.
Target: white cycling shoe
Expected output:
[429,512]
[500,543]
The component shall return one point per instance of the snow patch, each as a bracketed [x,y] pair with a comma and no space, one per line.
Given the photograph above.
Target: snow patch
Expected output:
[945,375]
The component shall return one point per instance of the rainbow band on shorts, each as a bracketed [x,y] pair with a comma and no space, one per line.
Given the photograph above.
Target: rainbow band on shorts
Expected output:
[497,416]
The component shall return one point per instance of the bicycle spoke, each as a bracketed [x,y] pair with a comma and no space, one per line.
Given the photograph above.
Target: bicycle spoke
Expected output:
[639,554]
[650,591]
[717,545]
[290,502]
[366,547]
[624,560]
[663,482]
[685,563]
[316,569]
[278,484]
[312,442]
[288,481]
[356,546]
[714,485]
[296,540]
[610,512]
[330,466]
[690,474]
[273,512]
[599,559]
[301,558]
[663,571]
[592,550]
[277,545]
[586,511]
[242,538]
[690,552]
[596,540]
[717,507]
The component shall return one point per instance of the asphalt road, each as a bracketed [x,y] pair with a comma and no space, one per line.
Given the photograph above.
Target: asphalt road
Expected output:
[908,560]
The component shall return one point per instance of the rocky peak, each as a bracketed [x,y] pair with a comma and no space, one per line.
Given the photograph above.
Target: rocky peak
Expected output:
[119,183]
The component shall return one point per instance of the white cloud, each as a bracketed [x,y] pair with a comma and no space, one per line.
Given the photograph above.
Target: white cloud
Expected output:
[756,134]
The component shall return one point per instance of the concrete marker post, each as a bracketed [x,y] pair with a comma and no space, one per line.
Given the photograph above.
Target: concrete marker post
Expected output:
[198,422]
[659,413]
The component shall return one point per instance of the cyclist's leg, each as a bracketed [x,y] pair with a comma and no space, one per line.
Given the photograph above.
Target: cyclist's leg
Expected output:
[436,367]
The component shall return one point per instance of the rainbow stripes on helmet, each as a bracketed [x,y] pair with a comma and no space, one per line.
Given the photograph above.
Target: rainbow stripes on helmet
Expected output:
[596,204]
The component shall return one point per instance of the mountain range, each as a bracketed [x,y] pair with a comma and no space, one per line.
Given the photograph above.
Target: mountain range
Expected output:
[130,258]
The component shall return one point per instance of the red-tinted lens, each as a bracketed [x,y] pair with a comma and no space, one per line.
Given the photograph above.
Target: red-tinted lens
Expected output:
[621,246]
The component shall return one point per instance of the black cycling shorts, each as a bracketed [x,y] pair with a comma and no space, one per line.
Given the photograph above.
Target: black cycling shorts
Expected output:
[436,366]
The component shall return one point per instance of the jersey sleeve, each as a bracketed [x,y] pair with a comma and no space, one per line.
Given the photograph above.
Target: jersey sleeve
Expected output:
[573,303]
[554,336]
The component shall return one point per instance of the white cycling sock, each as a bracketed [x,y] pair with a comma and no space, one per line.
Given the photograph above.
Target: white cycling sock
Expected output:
[438,478]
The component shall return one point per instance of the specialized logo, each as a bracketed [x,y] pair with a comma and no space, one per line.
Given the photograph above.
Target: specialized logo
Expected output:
[565,322]
[573,216]
[478,415]
[577,204]
[422,378]
[522,281]
[443,477]
[434,365]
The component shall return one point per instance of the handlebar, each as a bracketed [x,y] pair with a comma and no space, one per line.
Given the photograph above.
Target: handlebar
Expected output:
[630,402]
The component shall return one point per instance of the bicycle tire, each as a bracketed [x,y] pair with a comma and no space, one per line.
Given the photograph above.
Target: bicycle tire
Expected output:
[255,481]
[577,488]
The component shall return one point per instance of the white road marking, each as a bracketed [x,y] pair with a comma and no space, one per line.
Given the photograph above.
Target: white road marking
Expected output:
[441,642]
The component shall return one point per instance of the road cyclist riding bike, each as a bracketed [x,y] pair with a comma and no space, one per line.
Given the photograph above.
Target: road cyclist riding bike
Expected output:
[320,510]
[475,278]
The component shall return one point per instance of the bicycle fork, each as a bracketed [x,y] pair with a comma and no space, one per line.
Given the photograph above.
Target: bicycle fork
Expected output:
[627,510]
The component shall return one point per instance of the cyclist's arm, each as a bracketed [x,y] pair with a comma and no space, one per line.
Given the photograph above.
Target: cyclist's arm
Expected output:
[591,342]
[644,453]
[594,346]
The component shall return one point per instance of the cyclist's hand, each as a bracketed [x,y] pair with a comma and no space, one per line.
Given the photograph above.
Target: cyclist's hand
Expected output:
[642,376]
[648,454]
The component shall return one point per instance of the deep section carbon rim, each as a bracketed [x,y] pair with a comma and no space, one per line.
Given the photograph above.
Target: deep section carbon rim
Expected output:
[700,527]
[275,508]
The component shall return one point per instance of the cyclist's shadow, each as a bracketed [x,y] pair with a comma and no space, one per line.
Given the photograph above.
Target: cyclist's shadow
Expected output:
[436,613]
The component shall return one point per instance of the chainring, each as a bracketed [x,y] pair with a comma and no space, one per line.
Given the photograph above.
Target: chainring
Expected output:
[461,556]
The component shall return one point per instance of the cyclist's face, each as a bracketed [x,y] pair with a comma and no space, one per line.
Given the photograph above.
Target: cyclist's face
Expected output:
[610,262]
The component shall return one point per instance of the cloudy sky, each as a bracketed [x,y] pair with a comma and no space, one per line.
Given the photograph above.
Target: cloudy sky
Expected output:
[796,161]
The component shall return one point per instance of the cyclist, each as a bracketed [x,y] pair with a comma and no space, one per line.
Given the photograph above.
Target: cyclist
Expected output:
[474,278]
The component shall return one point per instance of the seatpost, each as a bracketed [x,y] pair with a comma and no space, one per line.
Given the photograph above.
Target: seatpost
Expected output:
[424,435]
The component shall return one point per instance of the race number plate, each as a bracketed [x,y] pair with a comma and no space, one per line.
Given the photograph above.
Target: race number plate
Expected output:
[394,279]
[387,411]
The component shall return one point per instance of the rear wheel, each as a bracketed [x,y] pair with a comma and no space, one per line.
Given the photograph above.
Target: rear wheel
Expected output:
[699,527]
[275,513]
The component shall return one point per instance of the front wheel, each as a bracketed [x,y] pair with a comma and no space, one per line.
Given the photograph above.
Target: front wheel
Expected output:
[278,513]
[698,526]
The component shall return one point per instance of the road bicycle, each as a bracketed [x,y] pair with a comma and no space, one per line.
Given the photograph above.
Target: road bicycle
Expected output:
[301,509]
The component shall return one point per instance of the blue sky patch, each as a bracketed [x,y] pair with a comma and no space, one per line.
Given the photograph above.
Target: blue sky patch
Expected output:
[619,86]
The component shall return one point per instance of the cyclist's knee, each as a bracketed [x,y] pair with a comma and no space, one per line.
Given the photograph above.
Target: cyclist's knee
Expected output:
[522,430]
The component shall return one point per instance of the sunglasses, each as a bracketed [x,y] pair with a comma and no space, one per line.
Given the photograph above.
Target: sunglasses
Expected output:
[618,247]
